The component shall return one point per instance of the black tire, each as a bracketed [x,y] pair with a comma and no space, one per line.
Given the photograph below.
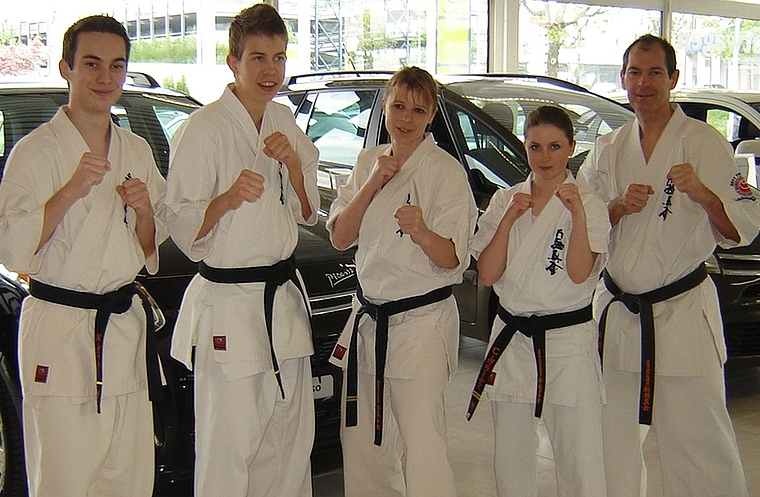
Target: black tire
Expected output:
[12,466]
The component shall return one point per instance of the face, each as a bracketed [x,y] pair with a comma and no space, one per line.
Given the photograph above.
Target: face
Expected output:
[647,82]
[100,68]
[548,151]
[260,70]
[406,116]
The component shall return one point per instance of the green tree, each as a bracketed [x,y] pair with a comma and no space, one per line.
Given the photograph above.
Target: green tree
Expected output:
[372,40]
[175,50]
[180,85]
[564,25]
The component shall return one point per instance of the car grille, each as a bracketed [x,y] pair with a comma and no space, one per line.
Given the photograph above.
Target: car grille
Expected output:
[743,340]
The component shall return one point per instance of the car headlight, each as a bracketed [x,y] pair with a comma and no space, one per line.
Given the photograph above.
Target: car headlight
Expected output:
[712,265]
[20,279]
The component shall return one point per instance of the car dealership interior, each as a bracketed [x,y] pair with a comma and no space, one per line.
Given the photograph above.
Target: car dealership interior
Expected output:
[182,46]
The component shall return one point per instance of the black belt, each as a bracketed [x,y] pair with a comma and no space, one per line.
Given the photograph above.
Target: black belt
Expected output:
[380,314]
[531,326]
[118,302]
[273,277]
[641,304]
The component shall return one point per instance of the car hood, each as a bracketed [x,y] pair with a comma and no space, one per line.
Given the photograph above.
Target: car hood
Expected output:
[324,269]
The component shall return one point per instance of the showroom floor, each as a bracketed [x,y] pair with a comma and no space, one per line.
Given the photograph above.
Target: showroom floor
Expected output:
[471,444]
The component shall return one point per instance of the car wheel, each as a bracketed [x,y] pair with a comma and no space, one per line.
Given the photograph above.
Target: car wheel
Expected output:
[12,468]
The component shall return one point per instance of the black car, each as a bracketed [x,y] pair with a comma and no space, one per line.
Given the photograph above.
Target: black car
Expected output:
[479,121]
[329,276]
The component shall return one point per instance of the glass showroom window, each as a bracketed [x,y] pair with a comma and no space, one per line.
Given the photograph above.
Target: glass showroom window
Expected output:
[443,36]
[580,43]
[717,52]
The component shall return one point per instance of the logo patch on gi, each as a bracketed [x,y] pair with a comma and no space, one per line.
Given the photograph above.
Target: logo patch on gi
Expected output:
[339,351]
[491,379]
[742,188]
[220,342]
[41,374]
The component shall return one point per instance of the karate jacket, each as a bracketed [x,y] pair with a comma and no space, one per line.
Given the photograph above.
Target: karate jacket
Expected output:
[667,240]
[93,249]
[389,266]
[208,153]
[536,282]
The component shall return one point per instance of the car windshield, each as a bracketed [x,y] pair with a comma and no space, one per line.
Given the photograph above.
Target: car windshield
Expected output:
[509,101]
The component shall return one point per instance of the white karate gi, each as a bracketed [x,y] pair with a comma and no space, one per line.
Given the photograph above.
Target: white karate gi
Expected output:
[249,440]
[94,249]
[423,343]
[650,249]
[533,285]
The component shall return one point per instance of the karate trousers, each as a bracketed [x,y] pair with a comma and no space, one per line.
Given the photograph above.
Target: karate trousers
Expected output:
[72,451]
[575,434]
[250,442]
[412,460]
[699,455]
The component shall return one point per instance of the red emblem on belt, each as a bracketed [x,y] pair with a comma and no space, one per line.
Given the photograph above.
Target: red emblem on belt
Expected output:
[41,374]
[339,351]
[220,342]
[491,378]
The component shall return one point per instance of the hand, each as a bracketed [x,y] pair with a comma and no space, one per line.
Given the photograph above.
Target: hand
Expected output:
[385,168]
[90,171]
[278,147]
[134,193]
[248,187]
[568,194]
[685,179]
[410,222]
[635,198]
[518,205]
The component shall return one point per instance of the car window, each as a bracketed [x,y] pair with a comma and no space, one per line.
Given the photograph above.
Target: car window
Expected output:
[725,121]
[22,113]
[154,117]
[489,158]
[509,101]
[336,121]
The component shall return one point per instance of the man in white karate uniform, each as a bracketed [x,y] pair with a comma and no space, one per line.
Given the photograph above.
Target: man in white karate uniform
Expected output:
[673,192]
[242,176]
[81,206]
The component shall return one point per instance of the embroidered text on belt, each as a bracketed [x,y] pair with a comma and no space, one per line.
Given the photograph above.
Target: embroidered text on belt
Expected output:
[273,277]
[531,326]
[118,302]
[380,314]
[641,304]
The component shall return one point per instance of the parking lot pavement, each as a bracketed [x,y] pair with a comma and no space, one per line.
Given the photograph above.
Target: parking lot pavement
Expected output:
[471,443]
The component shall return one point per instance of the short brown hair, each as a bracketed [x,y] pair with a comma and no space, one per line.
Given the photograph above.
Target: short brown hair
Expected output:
[259,19]
[92,24]
[552,116]
[417,81]
[648,41]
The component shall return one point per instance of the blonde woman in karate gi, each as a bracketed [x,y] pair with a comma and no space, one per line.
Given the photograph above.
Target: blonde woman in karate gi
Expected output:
[409,209]
[243,175]
[542,244]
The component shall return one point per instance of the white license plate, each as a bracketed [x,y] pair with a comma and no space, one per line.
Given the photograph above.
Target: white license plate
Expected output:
[323,386]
